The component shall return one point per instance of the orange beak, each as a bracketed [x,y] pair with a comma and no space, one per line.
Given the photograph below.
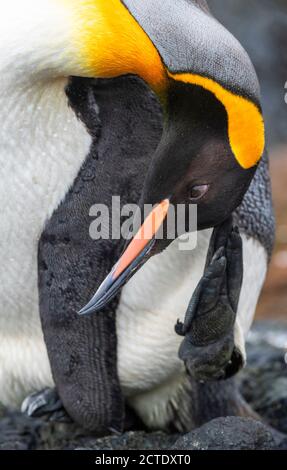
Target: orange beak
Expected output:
[135,255]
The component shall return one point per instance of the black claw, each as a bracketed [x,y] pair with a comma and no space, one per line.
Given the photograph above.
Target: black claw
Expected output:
[219,239]
[179,328]
[235,364]
[45,404]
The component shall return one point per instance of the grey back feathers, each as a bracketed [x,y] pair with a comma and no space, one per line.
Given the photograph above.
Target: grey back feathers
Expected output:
[189,39]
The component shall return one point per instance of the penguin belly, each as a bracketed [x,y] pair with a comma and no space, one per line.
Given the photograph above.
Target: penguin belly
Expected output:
[38,165]
[151,374]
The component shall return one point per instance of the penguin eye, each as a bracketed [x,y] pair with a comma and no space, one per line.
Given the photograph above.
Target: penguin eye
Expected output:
[197,192]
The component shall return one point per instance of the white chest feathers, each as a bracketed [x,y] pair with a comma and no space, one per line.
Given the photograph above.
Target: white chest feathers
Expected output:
[150,305]
[42,146]
[156,297]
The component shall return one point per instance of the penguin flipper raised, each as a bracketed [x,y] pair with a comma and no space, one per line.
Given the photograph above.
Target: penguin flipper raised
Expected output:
[208,348]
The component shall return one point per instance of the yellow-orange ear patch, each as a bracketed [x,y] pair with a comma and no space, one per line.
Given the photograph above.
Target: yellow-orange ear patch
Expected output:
[109,43]
[245,122]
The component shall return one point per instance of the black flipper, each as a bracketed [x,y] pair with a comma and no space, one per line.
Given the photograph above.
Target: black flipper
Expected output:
[208,348]
[83,350]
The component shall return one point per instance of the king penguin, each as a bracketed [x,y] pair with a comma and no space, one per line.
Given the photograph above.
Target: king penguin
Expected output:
[158,103]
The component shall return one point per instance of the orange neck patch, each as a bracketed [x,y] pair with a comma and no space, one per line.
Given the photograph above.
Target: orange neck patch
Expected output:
[112,43]
[245,122]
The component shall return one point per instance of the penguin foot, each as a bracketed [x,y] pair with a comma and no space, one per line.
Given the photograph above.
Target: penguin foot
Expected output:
[45,404]
[208,348]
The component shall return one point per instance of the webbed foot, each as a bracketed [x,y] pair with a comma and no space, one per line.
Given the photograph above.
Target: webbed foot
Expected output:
[208,348]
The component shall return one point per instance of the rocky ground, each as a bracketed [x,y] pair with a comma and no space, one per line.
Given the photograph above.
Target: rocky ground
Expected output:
[263,383]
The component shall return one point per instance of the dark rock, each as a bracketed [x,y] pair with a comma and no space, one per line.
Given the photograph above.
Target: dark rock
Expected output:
[263,382]
[18,432]
[131,440]
[232,433]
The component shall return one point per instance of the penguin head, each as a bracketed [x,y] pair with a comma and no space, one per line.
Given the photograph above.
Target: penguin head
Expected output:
[212,140]
[194,162]
[193,165]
